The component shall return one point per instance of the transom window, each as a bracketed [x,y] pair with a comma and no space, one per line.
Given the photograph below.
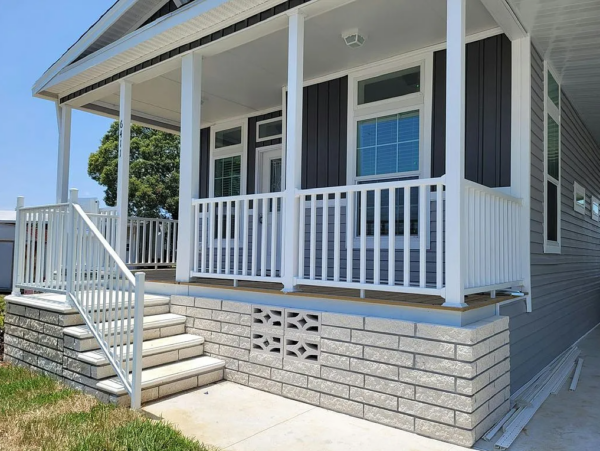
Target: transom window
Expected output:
[269,129]
[388,86]
[229,137]
[552,172]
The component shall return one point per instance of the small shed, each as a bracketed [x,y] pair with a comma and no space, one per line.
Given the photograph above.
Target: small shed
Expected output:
[7,244]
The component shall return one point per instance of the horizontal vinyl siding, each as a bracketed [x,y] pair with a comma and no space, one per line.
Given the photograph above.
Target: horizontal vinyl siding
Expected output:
[565,287]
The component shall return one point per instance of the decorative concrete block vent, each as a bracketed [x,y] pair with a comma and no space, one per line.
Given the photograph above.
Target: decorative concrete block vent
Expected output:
[449,383]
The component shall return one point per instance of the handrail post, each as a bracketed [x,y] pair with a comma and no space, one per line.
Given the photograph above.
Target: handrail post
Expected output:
[17,247]
[73,199]
[138,337]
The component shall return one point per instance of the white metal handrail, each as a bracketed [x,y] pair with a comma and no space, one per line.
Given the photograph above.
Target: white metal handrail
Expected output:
[60,249]
[238,237]
[493,221]
[355,236]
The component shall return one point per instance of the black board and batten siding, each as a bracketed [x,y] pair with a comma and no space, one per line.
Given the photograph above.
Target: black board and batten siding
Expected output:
[565,287]
[487,112]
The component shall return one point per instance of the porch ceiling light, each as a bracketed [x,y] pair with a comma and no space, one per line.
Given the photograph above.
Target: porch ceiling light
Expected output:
[353,38]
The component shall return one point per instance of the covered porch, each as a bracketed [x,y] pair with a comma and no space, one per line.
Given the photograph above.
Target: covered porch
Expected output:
[284,181]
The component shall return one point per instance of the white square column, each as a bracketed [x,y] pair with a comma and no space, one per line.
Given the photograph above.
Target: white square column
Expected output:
[293,160]
[123,170]
[63,116]
[189,172]
[455,155]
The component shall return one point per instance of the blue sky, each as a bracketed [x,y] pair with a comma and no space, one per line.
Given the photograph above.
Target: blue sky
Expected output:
[33,35]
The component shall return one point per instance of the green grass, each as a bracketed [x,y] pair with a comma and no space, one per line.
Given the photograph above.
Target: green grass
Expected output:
[38,413]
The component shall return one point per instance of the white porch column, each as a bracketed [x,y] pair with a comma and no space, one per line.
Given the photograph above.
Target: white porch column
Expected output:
[189,175]
[63,116]
[455,155]
[293,160]
[123,174]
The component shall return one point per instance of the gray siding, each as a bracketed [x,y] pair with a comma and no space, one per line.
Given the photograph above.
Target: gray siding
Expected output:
[566,287]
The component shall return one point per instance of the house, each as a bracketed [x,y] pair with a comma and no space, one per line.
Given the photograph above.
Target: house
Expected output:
[7,241]
[388,208]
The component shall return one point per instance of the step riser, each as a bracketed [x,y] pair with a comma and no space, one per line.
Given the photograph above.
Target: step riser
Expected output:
[111,315]
[90,344]
[106,371]
[171,388]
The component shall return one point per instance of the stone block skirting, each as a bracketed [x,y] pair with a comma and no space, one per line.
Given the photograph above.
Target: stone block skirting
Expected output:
[449,383]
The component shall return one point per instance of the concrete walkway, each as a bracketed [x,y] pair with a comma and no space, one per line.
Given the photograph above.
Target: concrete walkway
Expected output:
[568,421]
[238,418]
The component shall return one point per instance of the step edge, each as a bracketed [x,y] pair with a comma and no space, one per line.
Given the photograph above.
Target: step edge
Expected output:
[82,335]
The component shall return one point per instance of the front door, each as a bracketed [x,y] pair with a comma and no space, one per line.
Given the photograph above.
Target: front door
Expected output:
[269,177]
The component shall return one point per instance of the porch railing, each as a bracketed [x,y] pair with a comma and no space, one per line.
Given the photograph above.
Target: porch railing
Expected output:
[60,249]
[377,236]
[493,220]
[238,237]
[152,242]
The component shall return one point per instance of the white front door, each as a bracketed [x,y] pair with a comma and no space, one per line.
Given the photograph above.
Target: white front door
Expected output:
[269,180]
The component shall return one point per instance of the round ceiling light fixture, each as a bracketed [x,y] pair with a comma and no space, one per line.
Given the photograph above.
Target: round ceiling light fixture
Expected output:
[353,38]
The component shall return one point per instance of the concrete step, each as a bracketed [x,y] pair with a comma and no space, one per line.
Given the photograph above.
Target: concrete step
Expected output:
[153,305]
[154,353]
[80,338]
[168,379]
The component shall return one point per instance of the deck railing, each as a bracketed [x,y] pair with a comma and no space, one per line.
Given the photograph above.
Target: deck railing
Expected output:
[152,242]
[377,236]
[60,249]
[493,221]
[238,237]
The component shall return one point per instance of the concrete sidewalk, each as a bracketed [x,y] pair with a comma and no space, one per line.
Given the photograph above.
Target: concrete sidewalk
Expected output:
[238,418]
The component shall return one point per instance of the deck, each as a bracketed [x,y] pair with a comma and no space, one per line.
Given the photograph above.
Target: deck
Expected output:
[473,301]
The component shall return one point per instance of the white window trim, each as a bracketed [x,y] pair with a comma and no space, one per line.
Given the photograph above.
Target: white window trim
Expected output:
[578,189]
[268,121]
[552,247]
[595,201]
[421,101]
[230,151]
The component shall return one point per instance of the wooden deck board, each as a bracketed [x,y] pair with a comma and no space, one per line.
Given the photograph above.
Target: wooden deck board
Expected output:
[379,297]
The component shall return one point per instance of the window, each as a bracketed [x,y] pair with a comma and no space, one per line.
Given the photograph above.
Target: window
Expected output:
[388,129]
[552,172]
[595,209]
[269,129]
[228,160]
[579,198]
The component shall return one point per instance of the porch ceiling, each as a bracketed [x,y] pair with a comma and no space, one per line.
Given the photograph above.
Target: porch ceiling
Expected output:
[566,32]
[250,77]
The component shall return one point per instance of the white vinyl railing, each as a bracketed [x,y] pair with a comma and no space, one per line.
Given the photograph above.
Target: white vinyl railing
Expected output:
[152,242]
[107,223]
[40,251]
[238,237]
[60,249]
[493,220]
[377,236]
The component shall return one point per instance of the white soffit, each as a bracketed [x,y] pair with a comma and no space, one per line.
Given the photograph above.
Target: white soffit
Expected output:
[567,33]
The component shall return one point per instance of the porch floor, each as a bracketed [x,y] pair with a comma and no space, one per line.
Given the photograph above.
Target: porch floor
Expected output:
[473,301]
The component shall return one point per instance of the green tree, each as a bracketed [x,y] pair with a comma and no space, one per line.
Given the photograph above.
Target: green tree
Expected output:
[153,173]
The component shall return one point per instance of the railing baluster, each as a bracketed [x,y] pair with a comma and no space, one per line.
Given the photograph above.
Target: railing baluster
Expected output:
[313,236]
[220,214]
[439,245]
[205,235]
[363,236]
[424,207]
[228,239]
[246,232]
[406,251]
[236,239]
[211,237]
[274,206]
[350,221]
[377,238]
[301,236]
[336,237]
[392,237]
[255,248]
[325,238]
[264,223]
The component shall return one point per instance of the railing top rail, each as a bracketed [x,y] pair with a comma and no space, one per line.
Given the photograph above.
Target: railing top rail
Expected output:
[43,207]
[372,186]
[238,198]
[492,192]
[137,218]
[105,244]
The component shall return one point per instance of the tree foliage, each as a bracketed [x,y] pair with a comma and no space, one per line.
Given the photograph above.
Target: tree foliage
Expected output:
[153,172]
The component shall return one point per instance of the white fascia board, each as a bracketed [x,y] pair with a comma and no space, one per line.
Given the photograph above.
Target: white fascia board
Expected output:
[131,40]
[506,18]
[97,30]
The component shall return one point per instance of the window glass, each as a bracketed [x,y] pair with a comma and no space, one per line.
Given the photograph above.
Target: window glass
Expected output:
[553,153]
[228,176]
[553,90]
[388,86]
[270,129]
[275,176]
[226,138]
[388,145]
[552,212]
